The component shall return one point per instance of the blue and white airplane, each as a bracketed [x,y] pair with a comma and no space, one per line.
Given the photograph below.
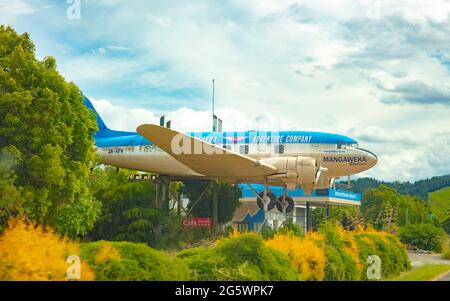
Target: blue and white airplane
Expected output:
[291,159]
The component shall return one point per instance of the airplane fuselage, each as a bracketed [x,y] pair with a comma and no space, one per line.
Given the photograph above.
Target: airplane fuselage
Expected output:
[339,155]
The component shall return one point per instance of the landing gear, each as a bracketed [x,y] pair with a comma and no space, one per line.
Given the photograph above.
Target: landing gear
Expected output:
[266,200]
[270,200]
[285,203]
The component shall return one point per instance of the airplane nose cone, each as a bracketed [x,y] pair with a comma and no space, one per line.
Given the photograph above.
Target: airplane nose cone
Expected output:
[372,159]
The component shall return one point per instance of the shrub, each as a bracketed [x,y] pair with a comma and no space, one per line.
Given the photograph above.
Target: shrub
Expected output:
[132,261]
[306,256]
[32,252]
[446,225]
[340,264]
[423,236]
[445,245]
[392,253]
[242,257]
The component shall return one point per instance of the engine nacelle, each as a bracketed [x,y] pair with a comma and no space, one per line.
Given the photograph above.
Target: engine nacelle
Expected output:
[295,170]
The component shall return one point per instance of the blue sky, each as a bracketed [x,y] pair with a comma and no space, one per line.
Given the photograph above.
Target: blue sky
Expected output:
[377,71]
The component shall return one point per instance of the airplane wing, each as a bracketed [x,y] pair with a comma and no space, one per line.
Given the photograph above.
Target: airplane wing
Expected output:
[203,157]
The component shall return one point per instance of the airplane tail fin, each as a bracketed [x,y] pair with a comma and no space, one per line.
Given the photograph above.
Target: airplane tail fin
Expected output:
[103,130]
[101,125]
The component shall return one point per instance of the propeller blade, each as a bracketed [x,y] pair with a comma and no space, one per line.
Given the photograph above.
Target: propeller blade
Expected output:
[332,182]
[319,172]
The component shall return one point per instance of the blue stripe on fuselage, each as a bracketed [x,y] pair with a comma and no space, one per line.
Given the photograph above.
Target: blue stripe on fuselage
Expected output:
[116,138]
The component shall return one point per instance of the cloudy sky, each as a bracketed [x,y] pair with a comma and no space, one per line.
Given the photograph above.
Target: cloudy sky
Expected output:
[377,71]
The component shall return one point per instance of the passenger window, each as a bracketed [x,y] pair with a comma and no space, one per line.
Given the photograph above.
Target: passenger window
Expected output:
[261,147]
[279,149]
[243,149]
[228,147]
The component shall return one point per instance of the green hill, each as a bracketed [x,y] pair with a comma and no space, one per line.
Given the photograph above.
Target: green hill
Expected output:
[439,202]
[419,188]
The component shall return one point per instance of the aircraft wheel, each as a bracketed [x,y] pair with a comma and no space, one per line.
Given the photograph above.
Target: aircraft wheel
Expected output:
[272,200]
[290,204]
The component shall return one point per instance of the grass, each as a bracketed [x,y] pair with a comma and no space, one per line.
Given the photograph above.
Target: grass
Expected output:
[439,202]
[424,273]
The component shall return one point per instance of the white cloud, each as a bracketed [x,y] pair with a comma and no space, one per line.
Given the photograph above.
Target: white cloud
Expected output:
[18,7]
[183,119]
[367,68]
[375,134]
[122,118]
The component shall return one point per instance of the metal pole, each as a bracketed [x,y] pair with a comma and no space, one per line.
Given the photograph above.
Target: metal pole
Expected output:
[308,217]
[213,104]
[215,206]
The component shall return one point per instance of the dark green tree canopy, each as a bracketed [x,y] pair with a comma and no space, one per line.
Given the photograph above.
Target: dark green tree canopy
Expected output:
[45,125]
[229,196]
[379,204]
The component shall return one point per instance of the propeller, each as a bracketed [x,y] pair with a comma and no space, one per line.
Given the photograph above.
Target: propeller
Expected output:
[319,172]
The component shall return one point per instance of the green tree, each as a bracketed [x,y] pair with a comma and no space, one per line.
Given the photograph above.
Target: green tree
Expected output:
[384,206]
[229,196]
[10,196]
[129,211]
[42,117]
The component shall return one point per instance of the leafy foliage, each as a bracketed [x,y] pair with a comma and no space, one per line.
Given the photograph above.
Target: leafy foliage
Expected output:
[423,236]
[333,253]
[305,254]
[43,119]
[419,188]
[290,227]
[229,196]
[439,203]
[349,217]
[10,195]
[446,225]
[340,265]
[384,207]
[244,257]
[128,211]
[125,261]
[32,252]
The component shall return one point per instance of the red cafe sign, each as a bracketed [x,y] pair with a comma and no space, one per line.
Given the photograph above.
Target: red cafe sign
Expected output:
[197,222]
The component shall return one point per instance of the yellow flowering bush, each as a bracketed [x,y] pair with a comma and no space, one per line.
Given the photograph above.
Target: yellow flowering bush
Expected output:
[234,232]
[306,256]
[333,253]
[32,252]
[350,246]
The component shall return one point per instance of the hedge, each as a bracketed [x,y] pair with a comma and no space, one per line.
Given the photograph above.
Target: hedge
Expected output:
[423,236]
[245,257]
[333,253]
[132,261]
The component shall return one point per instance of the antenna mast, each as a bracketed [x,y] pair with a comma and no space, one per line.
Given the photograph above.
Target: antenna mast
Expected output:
[213,126]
